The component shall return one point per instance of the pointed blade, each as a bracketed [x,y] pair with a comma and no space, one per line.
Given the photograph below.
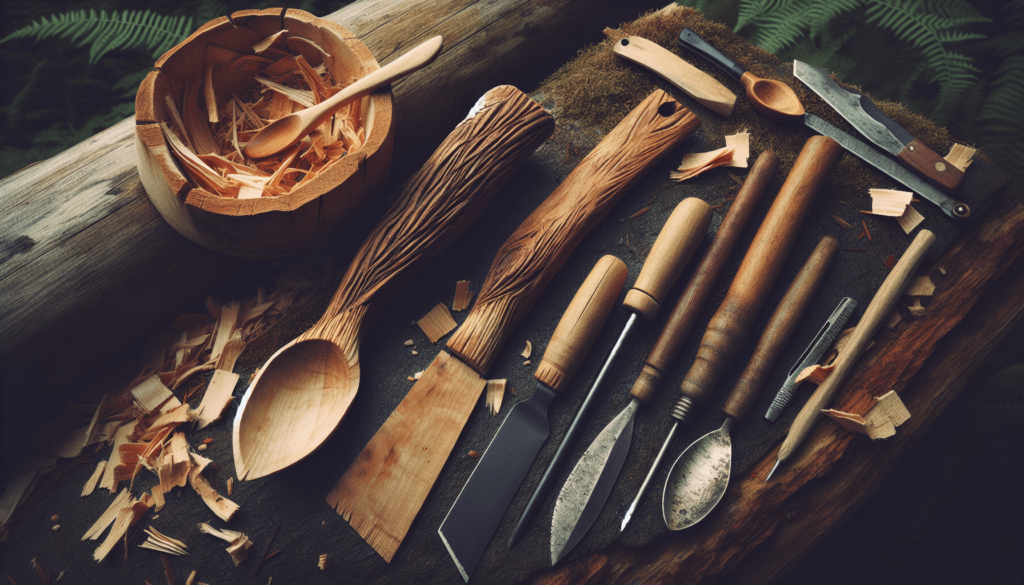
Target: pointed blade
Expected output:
[588,486]
[474,517]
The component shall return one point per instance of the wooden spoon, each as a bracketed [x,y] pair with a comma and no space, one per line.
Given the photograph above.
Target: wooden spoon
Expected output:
[288,130]
[302,393]
[771,98]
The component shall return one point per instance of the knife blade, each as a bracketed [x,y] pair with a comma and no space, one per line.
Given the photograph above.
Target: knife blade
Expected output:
[880,129]
[949,206]
[474,517]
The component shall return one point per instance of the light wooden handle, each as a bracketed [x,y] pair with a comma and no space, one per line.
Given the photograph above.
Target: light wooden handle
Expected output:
[881,305]
[932,167]
[672,250]
[780,327]
[704,279]
[581,322]
[690,80]
[731,324]
[533,254]
[437,204]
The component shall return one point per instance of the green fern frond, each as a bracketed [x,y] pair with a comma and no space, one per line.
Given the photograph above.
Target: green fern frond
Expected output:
[129,29]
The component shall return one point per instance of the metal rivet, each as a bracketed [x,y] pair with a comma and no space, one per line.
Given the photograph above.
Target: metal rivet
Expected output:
[940,166]
[911,148]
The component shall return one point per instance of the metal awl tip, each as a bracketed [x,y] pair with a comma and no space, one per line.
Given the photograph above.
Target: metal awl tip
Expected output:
[777,462]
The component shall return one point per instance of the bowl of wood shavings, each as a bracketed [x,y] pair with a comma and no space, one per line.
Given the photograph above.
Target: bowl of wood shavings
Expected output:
[211,93]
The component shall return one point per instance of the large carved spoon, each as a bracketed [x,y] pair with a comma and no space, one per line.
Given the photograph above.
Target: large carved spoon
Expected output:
[771,98]
[302,393]
[286,131]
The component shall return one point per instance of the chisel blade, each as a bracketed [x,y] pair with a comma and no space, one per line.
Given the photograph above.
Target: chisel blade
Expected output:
[588,486]
[474,517]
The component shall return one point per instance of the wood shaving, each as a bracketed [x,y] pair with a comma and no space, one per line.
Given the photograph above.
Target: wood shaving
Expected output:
[437,323]
[528,350]
[842,222]
[152,396]
[473,455]
[126,517]
[866,232]
[217,397]
[916,309]
[323,562]
[231,486]
[961,156]
[889,202]
[641,212]
[910,219]
[238,543]
[880,422]
[735,154]
[162,543]
[462,296]
[94,479]
[920,286]
[527,362]
[224,508]
[495,394]
[409,342]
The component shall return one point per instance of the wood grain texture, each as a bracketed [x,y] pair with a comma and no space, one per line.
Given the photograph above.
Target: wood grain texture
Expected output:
[731,325]
[583,319]
[780,328]
[926,163]
[533,254]
[304,391]
[698,290]
[671,252]
[769,526]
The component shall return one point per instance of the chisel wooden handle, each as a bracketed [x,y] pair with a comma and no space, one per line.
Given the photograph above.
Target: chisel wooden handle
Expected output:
[582,321]
[881,305]
[532,255]
[672,250]
[731,324]
[927,163]
[780,327]
[703,281]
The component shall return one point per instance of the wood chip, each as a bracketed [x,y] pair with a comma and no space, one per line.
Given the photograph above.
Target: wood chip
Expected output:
[889,202]
[437,323]
[842,222]
[217,397]
[94,479]
[473,455]
[108,516]
[495,394]
[528,350]
[238,543]
[880,422]
[866,232]
[120,438]
[641,212]
[323,562]
[221,506]
[942,271]
[151,395]
[916,309]
[527,362]
[735,154]
[162,543]
[126,517]
[910,219]
[267,42]
[893,319]
[961,156]
[409,342]
[462,296]
[191,578]
[231,486]
[920,286]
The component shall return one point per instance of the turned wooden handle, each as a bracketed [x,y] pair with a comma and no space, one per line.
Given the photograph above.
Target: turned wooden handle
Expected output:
[690,80]
[672,250]
[729,328]
[438,203]
[581,322]
[533,254]
[780,327]
[703,281]
[881,305]
[932,167]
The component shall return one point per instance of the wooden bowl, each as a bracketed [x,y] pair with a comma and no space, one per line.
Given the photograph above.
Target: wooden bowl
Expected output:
[269,226]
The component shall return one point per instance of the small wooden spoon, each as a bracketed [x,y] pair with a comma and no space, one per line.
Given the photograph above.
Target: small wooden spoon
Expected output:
[771,98]
[288,130]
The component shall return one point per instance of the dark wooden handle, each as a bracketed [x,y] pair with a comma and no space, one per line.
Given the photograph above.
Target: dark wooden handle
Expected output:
[533,254]
[780,327]
[932,167]
[581,322]
[693,42]
[881,305]
[439,203]
[703,281]
[731,324]
[672,250]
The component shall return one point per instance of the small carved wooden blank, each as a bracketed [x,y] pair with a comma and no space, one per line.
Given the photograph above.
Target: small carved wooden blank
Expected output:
[437,323]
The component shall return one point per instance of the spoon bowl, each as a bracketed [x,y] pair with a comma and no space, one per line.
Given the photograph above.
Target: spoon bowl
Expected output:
[698,479]
[772,98]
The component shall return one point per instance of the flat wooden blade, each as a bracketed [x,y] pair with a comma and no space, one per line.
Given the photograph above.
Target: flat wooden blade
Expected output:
[384,488]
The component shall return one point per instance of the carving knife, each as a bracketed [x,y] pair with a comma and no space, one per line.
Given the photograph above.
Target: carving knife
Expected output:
[880,129]
[676,243]
[383,490]
[476,513]
[590,483]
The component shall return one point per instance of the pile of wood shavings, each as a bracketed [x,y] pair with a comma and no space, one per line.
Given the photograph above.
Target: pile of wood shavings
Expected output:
[210,150]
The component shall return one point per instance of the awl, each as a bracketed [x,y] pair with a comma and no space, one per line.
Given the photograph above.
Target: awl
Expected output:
[672,250]
[476,513]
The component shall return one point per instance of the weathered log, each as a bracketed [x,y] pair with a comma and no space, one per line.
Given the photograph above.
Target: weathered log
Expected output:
[88,267]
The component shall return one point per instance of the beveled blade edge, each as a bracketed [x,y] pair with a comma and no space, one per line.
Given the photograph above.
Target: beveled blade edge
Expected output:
[473,519]
[588,486]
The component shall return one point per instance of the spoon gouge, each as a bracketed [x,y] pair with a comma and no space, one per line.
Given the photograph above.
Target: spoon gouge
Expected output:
[881,305]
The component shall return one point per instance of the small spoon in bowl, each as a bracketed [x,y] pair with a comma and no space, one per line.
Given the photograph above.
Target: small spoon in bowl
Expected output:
[771,98]
[286,131]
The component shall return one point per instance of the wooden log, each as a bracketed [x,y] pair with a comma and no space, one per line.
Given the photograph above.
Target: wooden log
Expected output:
[87,266]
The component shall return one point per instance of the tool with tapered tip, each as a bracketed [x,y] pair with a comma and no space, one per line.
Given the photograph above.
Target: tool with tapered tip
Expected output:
[672,250]
[698,479]
[702,284]
[817,348]
[881,305]
[476,513]
[589,484]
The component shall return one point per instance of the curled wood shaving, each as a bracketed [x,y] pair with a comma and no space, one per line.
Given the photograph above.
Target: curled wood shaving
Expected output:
[880,422]
[495,394]
[437,323]
[735,154]
[528,350]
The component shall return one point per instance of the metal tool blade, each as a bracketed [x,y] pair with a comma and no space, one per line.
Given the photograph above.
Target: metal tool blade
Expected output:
[698,478]
[858,110]
[474,517]
[951,207]
[590,483]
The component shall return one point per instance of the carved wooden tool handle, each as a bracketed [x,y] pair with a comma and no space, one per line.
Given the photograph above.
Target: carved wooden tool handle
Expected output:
[582,321]
[533,254]
[703,281]
[691,41]
[439,202]
[780,327]
[928,164]
[671,252]
[731,324]
[881,305]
